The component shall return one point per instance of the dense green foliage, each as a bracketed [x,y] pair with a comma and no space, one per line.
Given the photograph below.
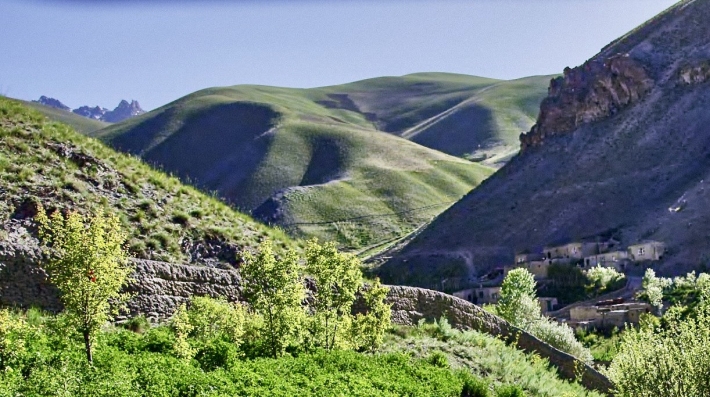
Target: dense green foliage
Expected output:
[670,360]
[519,306]
[571,284]
[489,358]
[275,290]
[87,264]
[50,362]
[49,163]
[686,291]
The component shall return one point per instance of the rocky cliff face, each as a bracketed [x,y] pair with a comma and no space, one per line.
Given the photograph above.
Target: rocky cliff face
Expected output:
[594,91]
[96,113]
[52,103]
[123,111]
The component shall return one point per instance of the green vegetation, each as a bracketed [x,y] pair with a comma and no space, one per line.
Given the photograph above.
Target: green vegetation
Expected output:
[46,358]
[669,360]
[686,292]
[571,284]
[88,265]
[330,162]
[497,364]
[50,164]
[519,306]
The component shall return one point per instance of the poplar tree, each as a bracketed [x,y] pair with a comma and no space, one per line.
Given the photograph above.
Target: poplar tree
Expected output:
[89,266]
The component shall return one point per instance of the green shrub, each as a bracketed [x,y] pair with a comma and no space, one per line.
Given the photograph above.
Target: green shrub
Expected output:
[510,391]
[474,387]
[438,359]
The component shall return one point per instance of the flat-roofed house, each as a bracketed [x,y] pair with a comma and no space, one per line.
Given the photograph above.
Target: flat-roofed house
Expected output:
[615,259]
[576,250]
[647,251]
[480,296]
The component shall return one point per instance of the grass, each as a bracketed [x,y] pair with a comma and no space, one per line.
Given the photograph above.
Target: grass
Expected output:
[359,163]
[484,356]
[49,163]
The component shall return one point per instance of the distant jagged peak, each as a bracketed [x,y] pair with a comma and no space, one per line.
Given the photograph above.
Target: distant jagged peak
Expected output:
[52,102]
[123,111]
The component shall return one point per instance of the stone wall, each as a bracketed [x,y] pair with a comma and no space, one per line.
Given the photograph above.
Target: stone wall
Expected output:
[409,305]
[160,287]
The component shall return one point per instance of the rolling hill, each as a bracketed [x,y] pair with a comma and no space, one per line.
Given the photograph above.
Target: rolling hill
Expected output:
[48,163]
[621,148]
[360,163]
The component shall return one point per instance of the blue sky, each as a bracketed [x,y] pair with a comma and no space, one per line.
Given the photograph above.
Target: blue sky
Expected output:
[99,52]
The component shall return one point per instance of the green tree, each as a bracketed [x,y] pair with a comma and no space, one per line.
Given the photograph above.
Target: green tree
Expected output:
[670,361]
[275,290]
[207,319]
[519,306]
[89,266]
[518,303]
[369,328]
[337,277]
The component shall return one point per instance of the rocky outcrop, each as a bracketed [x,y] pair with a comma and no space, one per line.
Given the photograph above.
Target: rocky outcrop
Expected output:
[96,113]
[123,111]
[696,74]
[52,103]
[591,92]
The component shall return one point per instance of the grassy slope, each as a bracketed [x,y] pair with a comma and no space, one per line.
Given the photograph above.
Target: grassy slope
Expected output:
[51,163]
[329,164]
[81,124]
[316,161]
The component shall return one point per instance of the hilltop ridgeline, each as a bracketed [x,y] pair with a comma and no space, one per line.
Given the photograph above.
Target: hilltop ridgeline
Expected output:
[123,111]
[621,149]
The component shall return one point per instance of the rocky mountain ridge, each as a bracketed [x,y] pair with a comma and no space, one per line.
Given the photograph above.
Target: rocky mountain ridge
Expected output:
[621,148]
[125,110]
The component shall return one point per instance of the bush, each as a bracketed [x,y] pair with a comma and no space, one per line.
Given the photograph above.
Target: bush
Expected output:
[510,391]
[438,359]
[474,387]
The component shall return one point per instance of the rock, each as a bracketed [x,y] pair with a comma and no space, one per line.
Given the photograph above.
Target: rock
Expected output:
[123,111]
[96,113]
[52,103]
[588,93]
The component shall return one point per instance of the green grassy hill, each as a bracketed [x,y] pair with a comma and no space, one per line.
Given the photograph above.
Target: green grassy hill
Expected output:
[80,123]
[316,161]
[49,163]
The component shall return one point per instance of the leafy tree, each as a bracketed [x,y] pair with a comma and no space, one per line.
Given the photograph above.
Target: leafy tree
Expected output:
[207,319]
[519,306]
[601,279]
[653,288]
[369,328]
[337,279]
[275,290]
[518,303]
[88,264]
[665,361]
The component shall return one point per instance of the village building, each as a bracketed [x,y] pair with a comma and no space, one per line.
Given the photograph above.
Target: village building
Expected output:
[615,259]
[647,251]
[607,316]
[480,296]
[548,304]
[571,251]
